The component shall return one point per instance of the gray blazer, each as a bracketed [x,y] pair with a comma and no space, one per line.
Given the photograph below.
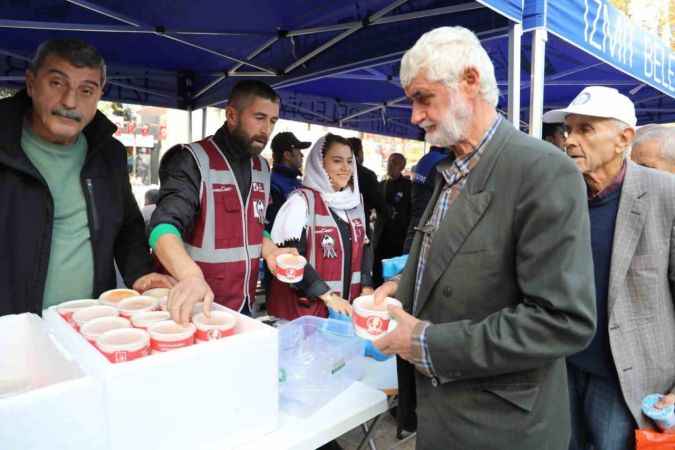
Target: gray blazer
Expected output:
[641,285]
[509,288]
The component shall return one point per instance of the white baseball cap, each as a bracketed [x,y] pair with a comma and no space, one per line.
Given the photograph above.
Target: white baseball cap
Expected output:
[597,101]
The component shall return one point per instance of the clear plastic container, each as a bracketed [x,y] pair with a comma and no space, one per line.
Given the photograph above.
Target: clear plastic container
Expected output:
[318,359]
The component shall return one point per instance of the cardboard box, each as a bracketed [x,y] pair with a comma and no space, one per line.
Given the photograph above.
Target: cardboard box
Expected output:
[210,396]
[58,406]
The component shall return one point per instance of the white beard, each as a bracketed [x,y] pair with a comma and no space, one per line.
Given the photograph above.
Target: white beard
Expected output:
[454,125]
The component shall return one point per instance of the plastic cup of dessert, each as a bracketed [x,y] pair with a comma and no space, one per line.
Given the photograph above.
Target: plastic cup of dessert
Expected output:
[67,309]
[168,335]
[84,315]
[199,308]
[290,268]
[372,321]
[124,344]
[132,305]
[146,318]
[161,294]
[221,324]
[114,296]
[96,327]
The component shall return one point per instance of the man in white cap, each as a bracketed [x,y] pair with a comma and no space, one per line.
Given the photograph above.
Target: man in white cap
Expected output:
[553,131]
[632,216]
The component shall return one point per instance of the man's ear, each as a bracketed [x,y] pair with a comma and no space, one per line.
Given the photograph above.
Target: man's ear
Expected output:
[286,155]
[471,80]
[626,138]
[30,81]
[232,115]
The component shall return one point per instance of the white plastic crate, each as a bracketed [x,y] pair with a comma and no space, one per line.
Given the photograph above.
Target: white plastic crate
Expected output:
[210,396]
[60,407]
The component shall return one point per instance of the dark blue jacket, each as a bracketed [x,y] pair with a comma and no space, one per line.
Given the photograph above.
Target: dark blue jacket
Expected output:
[284,180]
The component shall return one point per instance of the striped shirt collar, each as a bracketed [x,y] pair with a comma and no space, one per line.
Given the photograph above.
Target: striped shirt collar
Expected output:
[461,167]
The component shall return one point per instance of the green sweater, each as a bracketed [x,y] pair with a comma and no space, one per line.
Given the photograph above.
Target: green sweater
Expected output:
[70,274]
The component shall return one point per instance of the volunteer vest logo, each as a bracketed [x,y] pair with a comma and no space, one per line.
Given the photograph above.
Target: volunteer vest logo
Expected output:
[328,246]
[374,325]
[359,230]
[259,211]
[257,187]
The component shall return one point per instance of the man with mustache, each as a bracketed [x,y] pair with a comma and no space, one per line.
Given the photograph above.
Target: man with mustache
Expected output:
[207,228]
[68,212]
[498,287]
[632,216]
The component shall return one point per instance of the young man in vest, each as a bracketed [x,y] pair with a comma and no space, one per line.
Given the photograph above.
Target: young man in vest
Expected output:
[207,229]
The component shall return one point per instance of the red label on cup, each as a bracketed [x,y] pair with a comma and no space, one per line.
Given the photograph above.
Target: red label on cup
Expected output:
[68,317]
[210,335]
[163,346]
[290,273]
[373,325]
[125,355]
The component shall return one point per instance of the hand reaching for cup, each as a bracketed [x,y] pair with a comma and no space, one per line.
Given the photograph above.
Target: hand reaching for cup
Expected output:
[337,303]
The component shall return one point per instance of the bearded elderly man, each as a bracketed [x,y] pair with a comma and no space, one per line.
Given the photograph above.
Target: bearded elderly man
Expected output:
[632,216]
[207,229]
[654,146]
[498,288]
[68,212]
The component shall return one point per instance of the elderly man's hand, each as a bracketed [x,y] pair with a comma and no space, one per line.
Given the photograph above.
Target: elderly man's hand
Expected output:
[666,401]
[185,295]
[152,281]
[386,289]
[398,341]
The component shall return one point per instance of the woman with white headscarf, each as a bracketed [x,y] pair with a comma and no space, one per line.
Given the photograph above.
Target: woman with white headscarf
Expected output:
[325,220]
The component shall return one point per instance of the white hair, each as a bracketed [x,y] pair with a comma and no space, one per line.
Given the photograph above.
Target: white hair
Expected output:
[664,136]
[444,54]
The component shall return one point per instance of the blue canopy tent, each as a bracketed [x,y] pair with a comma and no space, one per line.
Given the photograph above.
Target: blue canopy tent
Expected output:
[591,42]
[334,63]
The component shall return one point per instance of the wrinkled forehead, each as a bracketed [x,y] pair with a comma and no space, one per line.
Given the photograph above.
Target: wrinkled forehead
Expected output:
[55,65]
[572,120]
[421,85]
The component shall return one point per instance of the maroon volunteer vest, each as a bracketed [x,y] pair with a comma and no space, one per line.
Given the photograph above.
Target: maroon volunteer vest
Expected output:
[325,253]
[226,241]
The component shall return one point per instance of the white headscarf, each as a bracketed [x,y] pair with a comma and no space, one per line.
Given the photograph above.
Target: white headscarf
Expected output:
[317,179]
[292,217]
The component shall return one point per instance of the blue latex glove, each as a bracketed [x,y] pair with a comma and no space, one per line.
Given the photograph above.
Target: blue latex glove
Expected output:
[374,353]
[393,266]
[332,314]
[664,418]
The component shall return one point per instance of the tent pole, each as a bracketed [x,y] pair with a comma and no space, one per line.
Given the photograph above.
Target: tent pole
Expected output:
[537,81]
[189,124]
[203,122]
[515,34]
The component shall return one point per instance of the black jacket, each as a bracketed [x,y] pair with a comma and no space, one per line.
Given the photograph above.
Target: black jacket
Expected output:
[180,180]
[372,198]
[26,213]
[390,232]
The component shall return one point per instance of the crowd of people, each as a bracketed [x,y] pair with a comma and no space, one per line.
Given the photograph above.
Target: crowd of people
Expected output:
[537,296]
